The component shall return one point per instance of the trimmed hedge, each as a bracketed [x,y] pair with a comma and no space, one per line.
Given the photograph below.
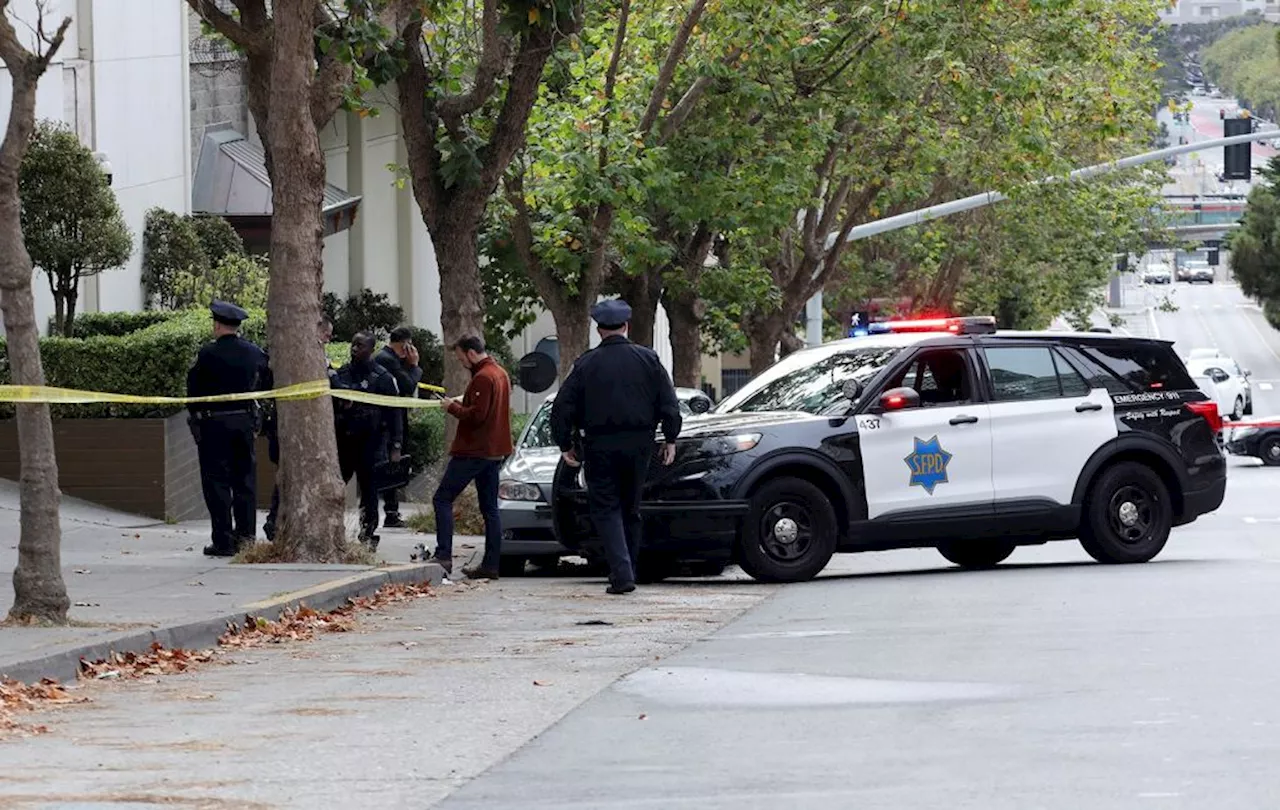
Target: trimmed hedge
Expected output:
[425,442]
[117,324]
[150,361]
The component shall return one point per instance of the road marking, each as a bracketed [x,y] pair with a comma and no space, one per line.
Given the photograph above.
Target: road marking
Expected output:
[1205,326]
[1264,386]
[1253,520]
[1262,337]
[1155,326]
[1217,306]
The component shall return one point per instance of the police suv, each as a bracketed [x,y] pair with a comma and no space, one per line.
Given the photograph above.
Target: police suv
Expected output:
[943,433]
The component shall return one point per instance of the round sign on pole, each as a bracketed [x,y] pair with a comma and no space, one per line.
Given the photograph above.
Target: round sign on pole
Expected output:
[537,372]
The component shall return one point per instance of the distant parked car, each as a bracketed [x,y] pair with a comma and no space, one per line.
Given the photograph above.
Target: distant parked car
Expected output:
[1230,388]
[1261,440]
[1157,273]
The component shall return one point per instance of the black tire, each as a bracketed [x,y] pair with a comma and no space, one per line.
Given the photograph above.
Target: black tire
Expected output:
[977,553]
[512,566]
[1269,451]
[1127,515]
[808,536]
[1237,409]
[1248,407]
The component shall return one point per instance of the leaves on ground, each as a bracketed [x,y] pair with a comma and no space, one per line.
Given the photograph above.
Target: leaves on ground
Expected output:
[300,623]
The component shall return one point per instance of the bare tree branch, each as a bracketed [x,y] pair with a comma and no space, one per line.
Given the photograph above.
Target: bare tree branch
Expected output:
[238,32]
[611,81]
[668,72]
[419,123]
[493,56]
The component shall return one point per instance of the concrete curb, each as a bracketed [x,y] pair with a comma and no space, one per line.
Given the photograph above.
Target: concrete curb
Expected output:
[64,665]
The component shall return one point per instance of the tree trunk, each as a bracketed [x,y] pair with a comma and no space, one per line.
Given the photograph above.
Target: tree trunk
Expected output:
[573,331]
[685,310]
[642,292]
[763,336]
[311,493]
[461,297]
[58,307]
[69,314]
[39,593]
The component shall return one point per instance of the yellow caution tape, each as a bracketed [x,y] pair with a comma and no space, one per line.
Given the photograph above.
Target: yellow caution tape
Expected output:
[434,388]
[307,390]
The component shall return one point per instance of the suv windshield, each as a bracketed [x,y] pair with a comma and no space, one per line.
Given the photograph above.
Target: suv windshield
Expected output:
[809,382]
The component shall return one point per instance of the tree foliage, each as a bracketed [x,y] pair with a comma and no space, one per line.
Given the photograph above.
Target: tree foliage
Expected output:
[1255,245]
[184,257]
[1245,64]
[71,221]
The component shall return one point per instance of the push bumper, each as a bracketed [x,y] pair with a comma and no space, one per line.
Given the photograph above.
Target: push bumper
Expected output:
[691,530]
[527,529]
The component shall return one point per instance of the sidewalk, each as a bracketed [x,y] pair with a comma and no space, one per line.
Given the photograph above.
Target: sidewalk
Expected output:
[133,581]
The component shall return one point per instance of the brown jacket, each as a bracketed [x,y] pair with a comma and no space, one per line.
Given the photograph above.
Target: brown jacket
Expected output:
[484,414]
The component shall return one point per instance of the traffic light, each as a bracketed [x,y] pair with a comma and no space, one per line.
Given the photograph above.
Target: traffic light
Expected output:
[1237,160]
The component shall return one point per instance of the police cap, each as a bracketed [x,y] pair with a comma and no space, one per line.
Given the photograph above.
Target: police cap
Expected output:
[611,314]
[230,314]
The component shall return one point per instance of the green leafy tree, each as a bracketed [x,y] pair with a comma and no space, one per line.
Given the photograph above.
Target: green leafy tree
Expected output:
[1255,245]
[179,250]
[73,226]
[1245,64]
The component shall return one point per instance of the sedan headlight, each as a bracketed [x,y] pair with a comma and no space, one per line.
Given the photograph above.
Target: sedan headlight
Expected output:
[1238,434]
[725,445]
[518,491]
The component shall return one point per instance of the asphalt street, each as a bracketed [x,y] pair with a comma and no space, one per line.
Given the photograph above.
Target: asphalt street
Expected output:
[892,681]
[895,681]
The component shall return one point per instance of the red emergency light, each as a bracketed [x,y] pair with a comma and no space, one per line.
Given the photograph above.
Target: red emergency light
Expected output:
[972,325]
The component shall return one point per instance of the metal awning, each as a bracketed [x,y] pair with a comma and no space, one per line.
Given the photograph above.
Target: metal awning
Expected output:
[231,181]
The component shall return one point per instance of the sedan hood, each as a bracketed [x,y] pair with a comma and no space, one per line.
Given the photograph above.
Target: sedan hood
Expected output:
[532,465]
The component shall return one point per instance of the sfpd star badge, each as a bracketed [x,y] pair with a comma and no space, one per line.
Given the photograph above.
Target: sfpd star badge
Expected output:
[928,463]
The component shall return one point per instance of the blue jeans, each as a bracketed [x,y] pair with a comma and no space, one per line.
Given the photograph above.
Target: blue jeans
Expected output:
[460,472]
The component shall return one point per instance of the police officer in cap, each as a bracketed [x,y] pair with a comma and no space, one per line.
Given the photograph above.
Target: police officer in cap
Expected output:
[224,431]
[616,396]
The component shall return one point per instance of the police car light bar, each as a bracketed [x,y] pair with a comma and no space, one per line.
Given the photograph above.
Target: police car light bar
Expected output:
[972,325]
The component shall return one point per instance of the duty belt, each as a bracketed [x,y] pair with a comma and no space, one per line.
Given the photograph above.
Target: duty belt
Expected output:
[211,414]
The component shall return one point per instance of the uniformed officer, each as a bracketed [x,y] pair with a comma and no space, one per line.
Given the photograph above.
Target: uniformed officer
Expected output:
[400,358]
[368,435]
[616,395]
[224,431]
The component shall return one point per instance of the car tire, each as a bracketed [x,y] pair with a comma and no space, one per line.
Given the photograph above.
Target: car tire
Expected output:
[1127,515]
[512,566]
[977,554]
[789,533]
[1237,410]
[1269,451]
[1248,407]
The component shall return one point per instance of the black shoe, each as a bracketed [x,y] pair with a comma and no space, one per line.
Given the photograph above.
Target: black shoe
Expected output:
[269,529]
[447,565]
[618,590]
[219,551]
[480,572]
[370,540]
[393,521]
[243,541]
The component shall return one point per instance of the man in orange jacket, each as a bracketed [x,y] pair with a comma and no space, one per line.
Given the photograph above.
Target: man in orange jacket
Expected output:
[482,443]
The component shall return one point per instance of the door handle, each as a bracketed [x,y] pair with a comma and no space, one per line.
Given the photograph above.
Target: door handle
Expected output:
[964,420]
[1084,407]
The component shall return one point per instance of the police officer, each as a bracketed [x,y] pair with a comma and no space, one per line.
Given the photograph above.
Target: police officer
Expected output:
[224,431]
[616,395]
[368,435]
[400,358]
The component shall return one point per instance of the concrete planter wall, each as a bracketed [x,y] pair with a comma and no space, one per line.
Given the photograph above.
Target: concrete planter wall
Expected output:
[142,466]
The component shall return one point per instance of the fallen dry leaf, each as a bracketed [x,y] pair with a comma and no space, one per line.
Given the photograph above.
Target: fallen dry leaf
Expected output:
[541,683]
[643,717]
[82,571]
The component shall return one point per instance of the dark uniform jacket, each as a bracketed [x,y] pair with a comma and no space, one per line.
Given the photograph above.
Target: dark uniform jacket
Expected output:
[362,420]
[407,377]
[617,390]
[228,365]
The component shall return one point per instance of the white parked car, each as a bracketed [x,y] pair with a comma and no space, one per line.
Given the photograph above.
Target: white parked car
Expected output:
[1157,273]
[1219,377]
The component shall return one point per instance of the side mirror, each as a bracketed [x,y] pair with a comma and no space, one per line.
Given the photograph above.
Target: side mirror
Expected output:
[699,404]
[899,399]
[852,389]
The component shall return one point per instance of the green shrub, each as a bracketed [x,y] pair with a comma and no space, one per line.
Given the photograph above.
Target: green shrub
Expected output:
[364,311]
[115,324]
[425,440]
[152,361]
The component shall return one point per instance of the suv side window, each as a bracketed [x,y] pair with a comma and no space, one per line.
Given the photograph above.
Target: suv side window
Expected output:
[940,377]
[1021,373]
[1142,367]
[1073,385]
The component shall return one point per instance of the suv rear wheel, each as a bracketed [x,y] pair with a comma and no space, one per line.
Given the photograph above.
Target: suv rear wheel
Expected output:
[977,553]
[1127,516]
[789,533]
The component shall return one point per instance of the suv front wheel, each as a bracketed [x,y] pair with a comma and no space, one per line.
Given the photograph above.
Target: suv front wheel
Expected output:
[789,533]
[1127,516]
